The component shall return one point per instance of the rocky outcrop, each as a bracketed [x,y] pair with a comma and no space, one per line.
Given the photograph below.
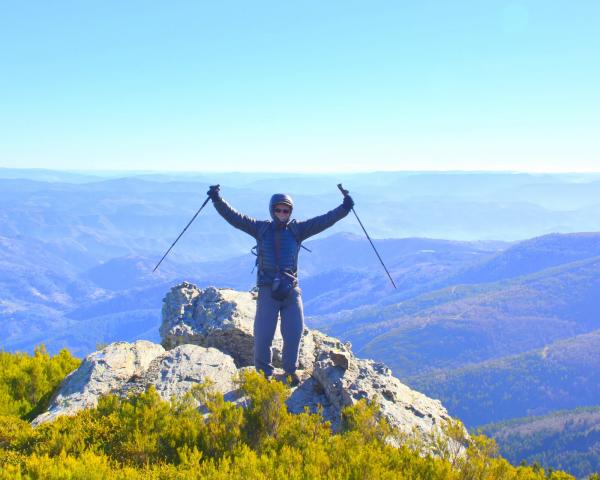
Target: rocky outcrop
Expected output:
[346,379]
[212,318]
[178,370]
[223,319]
[208,334]
[102,372]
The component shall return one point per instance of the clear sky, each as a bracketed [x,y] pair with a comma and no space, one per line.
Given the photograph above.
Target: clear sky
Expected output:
[300,86]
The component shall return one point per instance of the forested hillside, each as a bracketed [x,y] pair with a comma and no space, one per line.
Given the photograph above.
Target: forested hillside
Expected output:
[464,324]
[493,350]
[567,440]
[562,375]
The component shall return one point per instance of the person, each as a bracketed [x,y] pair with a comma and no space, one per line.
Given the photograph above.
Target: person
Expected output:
[278,244]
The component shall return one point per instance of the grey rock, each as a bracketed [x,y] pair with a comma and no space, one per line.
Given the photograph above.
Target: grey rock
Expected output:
[102,372]
[335,377]
[402,407]
[310,395]
[174,373]
[208,335]
[223,319]
[340,359]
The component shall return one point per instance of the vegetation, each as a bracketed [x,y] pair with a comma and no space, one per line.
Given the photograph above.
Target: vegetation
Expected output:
[567,439]
[26,382]
[563,375]
[144,437]
[466,324]
[483,321]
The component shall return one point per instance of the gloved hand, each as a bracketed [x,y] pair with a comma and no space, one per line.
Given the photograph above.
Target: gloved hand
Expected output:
[348,202]
[213,193]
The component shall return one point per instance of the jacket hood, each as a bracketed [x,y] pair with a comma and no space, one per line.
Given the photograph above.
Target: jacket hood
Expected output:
[276,200]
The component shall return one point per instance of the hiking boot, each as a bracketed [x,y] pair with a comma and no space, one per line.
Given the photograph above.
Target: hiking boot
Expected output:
[292,379]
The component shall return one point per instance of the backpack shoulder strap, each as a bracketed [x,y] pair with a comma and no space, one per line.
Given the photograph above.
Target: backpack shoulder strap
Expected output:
[293,227]
[263,227]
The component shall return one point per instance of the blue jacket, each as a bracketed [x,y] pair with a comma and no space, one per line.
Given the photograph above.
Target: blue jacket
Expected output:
[292,233]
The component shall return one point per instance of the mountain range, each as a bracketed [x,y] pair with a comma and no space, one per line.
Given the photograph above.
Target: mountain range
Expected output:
[516,334]
[496,311]
[78,252]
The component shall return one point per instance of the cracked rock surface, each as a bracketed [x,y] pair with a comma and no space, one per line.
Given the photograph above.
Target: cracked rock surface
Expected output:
[208,334]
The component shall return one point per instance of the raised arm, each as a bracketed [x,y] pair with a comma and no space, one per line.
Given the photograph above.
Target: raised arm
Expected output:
[312,226]
[233,217]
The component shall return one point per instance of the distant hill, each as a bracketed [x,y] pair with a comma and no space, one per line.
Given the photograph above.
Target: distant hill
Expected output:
[533,255]
[562,375]
[491,321]
[77,252]
[470,323]
[567,440]
[519,346]
[141,214]
[343,272]
[47,297]
[121,298]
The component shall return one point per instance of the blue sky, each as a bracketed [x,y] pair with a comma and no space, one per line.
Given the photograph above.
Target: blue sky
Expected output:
[300,86]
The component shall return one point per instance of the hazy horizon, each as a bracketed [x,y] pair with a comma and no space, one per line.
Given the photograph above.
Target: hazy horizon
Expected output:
[303,173]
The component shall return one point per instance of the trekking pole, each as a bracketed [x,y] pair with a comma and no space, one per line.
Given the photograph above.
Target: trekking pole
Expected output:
[186,227]
[345,193]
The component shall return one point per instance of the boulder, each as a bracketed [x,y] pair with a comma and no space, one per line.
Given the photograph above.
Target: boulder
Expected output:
[175,372]
[346,379]
[223,319]
[102,372]
[207,334]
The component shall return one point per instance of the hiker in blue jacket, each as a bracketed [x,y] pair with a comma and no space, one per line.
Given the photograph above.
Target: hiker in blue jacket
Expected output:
[278,244]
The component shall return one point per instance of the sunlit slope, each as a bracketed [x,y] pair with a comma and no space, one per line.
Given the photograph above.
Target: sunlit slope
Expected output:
[471,322]
[562,440]
[564,374]
[468,324]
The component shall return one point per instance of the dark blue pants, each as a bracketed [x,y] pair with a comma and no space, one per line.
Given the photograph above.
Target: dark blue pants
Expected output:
[265,322]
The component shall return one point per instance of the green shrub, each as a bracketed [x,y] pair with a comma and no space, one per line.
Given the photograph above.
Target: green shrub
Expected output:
[145,437]
[27,381]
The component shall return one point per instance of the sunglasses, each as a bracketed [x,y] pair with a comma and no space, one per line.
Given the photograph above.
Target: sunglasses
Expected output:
[282,210]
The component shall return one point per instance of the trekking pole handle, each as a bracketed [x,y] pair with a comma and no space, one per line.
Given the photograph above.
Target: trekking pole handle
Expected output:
[343,190]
